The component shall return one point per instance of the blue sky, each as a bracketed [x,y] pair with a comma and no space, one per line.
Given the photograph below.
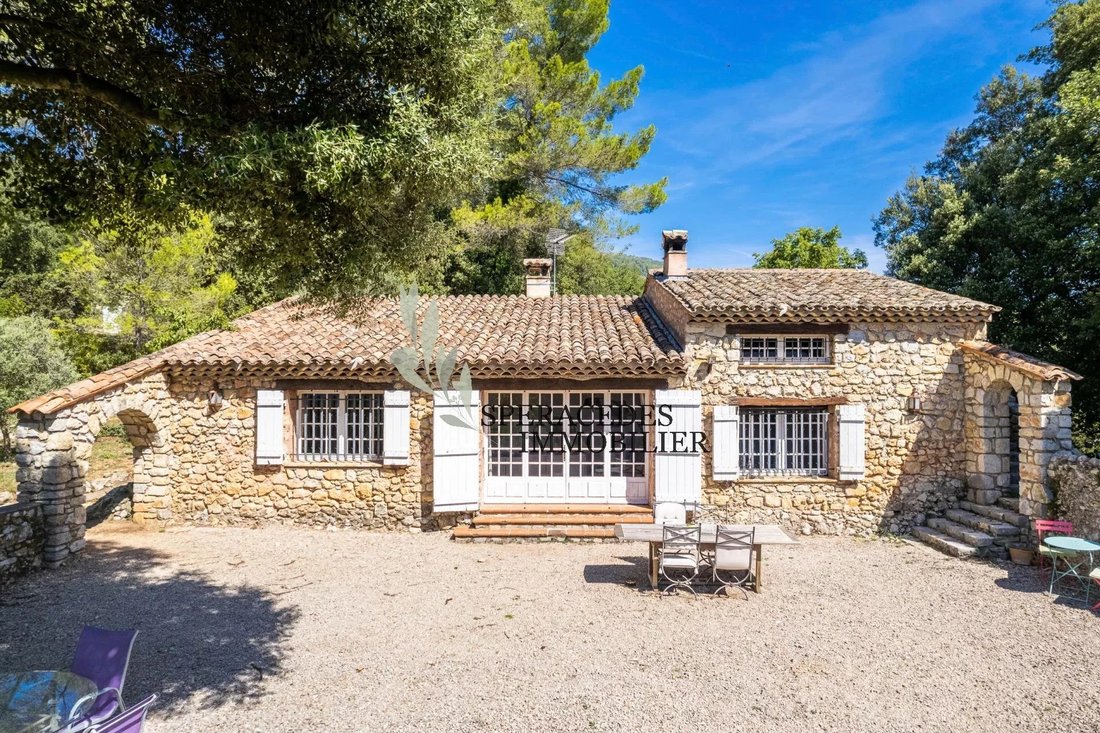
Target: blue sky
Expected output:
[774,115]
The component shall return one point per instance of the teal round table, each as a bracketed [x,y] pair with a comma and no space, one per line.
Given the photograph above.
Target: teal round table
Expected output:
[1078,559]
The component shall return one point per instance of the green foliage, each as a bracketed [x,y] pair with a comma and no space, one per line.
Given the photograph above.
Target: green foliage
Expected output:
[557,147]
[585,269]
[1010,210]
[811,247]
[31,362]
[142,288]
[327,167]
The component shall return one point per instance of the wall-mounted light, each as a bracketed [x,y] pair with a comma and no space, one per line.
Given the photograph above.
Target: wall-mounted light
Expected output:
[215,399]
[913,403]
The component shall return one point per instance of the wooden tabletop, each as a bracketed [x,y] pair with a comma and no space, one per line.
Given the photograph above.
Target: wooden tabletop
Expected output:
[765,534]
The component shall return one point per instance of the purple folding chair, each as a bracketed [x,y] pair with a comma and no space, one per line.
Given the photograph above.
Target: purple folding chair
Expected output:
[102,655]
[131,721]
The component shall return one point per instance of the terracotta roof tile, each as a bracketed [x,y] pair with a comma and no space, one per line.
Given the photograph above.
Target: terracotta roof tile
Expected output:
[1021,362]
[749,295]
[498,336]
[491,333]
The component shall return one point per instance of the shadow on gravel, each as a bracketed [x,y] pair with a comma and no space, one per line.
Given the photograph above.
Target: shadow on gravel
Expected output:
[629,570]
[199,644]
[1026,579]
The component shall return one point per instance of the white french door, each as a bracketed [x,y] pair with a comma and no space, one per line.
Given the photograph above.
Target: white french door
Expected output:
[577,446]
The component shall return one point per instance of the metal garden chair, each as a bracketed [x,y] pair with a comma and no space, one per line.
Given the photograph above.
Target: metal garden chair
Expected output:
[103,656]
[679,558]
[130,721]
[732,563]
[669,512]
[1047,528]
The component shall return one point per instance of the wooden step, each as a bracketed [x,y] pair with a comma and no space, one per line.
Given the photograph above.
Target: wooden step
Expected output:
[565,509]
[611,519]
[532,531]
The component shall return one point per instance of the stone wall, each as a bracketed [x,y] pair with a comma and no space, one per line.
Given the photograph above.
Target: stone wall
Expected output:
[194,463]
[1075,481]
[914,461]
[22,539]
[215,479]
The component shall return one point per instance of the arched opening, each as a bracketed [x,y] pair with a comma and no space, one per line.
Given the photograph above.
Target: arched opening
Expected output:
[1000,431]
[122,480]
[108,483]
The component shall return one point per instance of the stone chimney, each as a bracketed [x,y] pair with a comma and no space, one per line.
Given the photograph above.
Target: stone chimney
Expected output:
[538,277]
[676,257]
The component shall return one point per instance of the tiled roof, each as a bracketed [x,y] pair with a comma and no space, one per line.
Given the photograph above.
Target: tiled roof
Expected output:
[498,336]
[59,399]
[495,335]
[821,296]
[1020,362]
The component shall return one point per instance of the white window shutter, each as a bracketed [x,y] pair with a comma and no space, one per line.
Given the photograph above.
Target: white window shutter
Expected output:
[269,427]
[678,474]
[725,449]
[455,467]
[851,418]
[395,427]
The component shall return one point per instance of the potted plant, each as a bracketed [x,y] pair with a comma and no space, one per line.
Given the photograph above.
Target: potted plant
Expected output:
[1021,553]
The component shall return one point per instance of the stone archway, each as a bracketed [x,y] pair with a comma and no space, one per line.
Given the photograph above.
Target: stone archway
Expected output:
[997,458]
[1017,407]
[151,495]
[52,453]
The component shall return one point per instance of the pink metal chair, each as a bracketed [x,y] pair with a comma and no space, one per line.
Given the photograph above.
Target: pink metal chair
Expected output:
[1046,528]
[1095,575]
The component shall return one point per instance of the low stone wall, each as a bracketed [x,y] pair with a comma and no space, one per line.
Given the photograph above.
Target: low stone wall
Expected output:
[21,539]
[1075,480]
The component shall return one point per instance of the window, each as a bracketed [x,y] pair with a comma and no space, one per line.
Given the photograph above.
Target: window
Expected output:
[333,426]
[567,435]
[506,434]
[785,349]
[784,442]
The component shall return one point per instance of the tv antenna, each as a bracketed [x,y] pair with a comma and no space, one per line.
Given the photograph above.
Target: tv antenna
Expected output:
[555,245]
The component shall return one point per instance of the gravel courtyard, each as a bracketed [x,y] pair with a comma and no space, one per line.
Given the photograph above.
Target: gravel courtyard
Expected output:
[307,630]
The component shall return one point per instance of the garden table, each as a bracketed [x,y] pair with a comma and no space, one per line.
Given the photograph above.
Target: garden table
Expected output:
[763,534]
[41,701]
[1077,566]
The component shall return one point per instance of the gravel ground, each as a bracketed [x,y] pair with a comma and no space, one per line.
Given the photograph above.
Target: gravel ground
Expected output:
[291,629]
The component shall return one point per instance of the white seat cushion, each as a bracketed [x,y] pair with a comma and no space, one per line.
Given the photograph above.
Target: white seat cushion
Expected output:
[670,560]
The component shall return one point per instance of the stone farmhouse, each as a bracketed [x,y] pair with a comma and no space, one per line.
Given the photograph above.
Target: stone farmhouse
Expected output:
[829,401]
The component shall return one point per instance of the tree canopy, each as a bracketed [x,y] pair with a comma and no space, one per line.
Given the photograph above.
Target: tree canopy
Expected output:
[31,362]
[810,247]
[557,148]
[328,165]
[1009,212]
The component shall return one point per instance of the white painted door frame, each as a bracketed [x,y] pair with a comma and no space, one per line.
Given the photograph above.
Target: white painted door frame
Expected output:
[566,489]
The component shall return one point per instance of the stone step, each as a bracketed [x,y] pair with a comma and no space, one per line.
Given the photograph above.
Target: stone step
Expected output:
[1009,503]
[590,519]
[985,524]
[531,531]
[943,543]
[999,513]
[973,537]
